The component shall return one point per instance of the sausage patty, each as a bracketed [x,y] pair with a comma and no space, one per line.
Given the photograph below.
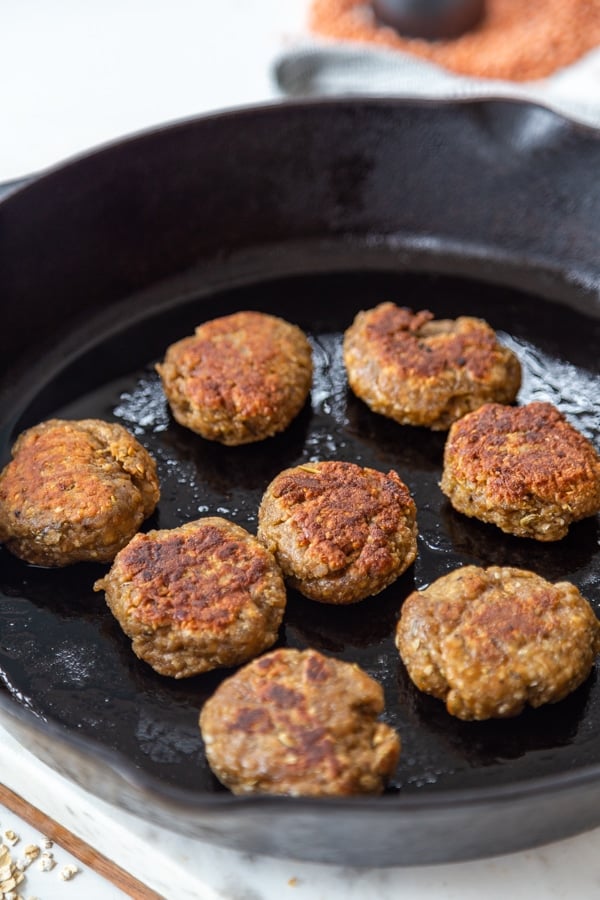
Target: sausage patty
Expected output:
[75,491]
[490,641]
[239,378]
[299,723]
[525,469]
[419,370]
[339,532]
[197,597]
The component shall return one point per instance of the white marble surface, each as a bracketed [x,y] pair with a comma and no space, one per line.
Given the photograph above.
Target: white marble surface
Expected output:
[39,882]
[184,869]
[76,74]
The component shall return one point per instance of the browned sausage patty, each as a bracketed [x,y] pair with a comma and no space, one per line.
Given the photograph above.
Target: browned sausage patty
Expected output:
[339,532]
[418,370]
[299,723]
[75,491]
[239,378]
[195,598]
[490,641]
[526,470]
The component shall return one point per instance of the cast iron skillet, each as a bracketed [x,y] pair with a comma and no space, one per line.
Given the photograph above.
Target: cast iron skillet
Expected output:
[311,211]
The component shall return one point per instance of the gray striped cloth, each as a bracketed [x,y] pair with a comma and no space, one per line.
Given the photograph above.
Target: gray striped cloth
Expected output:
[323,68]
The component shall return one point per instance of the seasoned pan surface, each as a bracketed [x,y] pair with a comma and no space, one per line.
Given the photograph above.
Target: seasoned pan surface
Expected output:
[70,670]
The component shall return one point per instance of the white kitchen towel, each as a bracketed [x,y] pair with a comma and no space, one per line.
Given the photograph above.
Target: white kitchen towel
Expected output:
[330,68]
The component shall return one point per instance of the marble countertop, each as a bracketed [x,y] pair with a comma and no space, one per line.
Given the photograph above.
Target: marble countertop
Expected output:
[75,75]
[178,868]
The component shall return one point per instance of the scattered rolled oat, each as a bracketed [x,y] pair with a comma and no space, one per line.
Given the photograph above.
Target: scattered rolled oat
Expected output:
[30,853]
[5,862]
[10,874]
[12,871]
[68,872]
[11,883]
[46,862]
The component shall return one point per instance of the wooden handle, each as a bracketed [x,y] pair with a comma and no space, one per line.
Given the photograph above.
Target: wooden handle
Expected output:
[70,842]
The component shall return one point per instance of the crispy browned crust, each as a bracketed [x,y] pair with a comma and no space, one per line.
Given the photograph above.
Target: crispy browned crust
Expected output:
[239,378]
[339,532]
[299,723]
[75,491]
[525,469]
[491,641]
[421,371]
[197,597]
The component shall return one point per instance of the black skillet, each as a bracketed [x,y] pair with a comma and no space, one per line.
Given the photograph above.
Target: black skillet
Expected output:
[311,211]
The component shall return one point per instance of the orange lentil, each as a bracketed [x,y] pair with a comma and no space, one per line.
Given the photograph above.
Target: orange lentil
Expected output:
[515,40]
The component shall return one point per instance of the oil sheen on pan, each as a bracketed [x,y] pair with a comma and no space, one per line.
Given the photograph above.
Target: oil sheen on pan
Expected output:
[63,655]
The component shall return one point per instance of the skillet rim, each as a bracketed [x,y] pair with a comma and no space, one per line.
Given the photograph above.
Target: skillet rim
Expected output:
[405,804]
[12,187]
